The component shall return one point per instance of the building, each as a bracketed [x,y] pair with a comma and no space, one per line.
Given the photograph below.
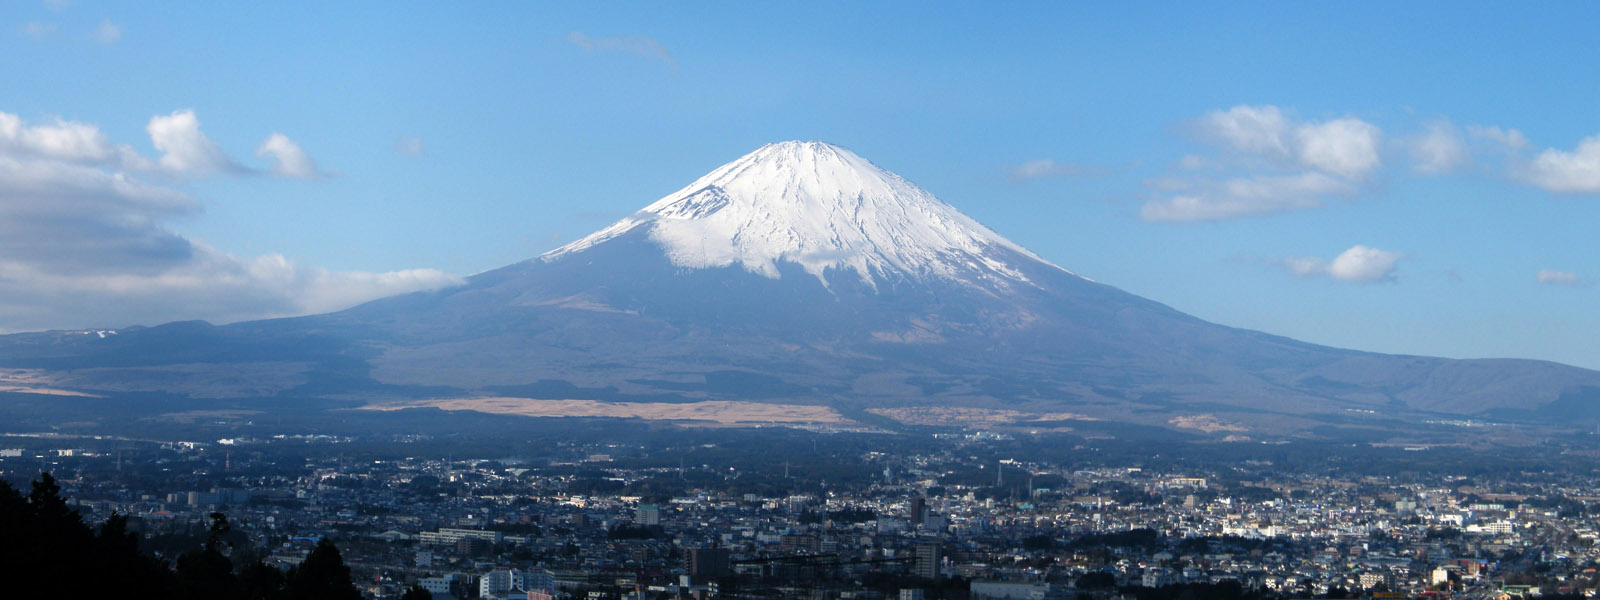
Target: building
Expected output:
[505,582]
[918,510]
[1000,590]
[928,558]
[648,514]
[473,546]
[449,537]
[438,586]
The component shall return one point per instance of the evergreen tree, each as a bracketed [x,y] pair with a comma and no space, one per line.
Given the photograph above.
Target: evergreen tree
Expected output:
[45,547]
[261,581]
[205,573]
[123,567]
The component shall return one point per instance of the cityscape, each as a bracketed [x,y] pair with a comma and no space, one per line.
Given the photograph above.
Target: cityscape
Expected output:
[625,520]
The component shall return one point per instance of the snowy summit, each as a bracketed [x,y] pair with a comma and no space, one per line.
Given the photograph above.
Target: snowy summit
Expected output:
[821,207]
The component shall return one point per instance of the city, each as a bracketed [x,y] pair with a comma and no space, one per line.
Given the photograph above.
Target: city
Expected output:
[623,520]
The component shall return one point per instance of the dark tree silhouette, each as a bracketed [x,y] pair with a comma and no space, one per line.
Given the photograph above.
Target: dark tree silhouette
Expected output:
[205,573]
[44,545]
[323,576]
[261,581]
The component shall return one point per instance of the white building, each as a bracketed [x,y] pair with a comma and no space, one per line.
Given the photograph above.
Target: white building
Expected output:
[501,582]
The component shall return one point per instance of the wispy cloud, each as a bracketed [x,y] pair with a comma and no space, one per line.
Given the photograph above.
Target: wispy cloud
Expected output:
[1359,264]
[409,146]
[291,160]
[1440,148]
[1552,277]
[1509,139]
[637,45]
[1046,167]
[37,30]
[107,32]
[1208,200]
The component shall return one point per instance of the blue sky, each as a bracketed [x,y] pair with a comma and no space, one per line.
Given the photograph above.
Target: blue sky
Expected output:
[1408,178]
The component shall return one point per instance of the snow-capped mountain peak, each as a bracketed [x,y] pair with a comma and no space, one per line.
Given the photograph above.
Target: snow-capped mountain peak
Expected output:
[821,207]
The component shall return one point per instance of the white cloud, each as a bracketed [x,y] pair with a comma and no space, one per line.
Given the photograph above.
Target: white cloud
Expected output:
[1246,197]
[409,146]
[107,32]
[83,240]
[631,44]
[1551,277]
[1575,172]
[185,150]
[1364,264]
[1359,264]
[1441,149]
[1347,147]
[1046,167]
[37,30]
[1253,129]
[1273,162]
[291,160]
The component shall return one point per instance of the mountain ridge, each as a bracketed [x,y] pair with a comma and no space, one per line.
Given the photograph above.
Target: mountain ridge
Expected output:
[907,312]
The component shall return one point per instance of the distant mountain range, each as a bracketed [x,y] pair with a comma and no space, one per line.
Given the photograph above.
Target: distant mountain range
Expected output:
[804,275]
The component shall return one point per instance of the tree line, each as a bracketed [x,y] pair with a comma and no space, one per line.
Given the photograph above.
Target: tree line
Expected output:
[46,550]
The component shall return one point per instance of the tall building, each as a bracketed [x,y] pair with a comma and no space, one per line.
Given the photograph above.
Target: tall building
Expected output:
[648,514]
[919,510]
[928,559]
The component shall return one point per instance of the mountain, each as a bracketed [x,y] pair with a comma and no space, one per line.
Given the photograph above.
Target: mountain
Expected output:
[802,275]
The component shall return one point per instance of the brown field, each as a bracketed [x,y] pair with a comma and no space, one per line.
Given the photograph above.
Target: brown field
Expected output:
[1207,423]
[718,412]
[28,381]
[946,415]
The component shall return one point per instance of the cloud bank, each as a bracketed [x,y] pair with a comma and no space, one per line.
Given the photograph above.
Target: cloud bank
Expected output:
[83,241]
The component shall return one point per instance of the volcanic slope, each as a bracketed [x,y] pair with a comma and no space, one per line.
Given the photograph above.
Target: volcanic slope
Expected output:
[802,273]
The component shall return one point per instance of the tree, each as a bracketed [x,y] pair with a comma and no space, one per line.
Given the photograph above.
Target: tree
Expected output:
[322,576]
[44,546]
[205,573]
[260,581]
